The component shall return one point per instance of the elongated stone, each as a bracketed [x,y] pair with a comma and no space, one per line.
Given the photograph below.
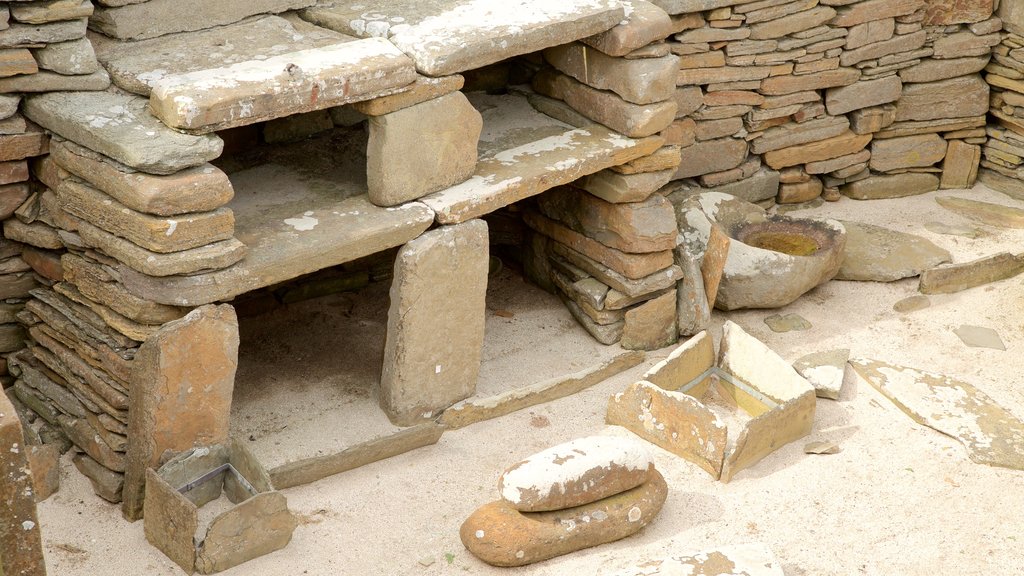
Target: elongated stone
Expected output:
[159,17]
[956,98]
[644,81]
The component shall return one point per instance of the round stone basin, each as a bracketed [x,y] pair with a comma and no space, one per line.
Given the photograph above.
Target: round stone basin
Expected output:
[792,237]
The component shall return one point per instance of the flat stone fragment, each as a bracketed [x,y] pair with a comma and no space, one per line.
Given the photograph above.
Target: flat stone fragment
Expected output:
[960,168]
[500,535]
[198,189]
[439,285]
[645,24]
[450,36]
[863,94]
[712,265]
[106,483]
[422,90]
[257,90]
[984,212]
[651,325]
[825,371]
[68,58]
[780,323]
[880,186]
[980,337]
[476,410]
[635,227]
[18,35]
[945,12]
[740,560]
[693,308]
[877,254]
[121,127]
[575,473]
[959,277]
[912,304]
[197,352]
[955,98]
[256,527]
[159,17]
[990,433]
[907,152]
[644,81]
[674,421]
[1012,15]
[843,145]
[1012,187]
[21,548]
[711,156]
[821,448]
[137,66]
[931,70]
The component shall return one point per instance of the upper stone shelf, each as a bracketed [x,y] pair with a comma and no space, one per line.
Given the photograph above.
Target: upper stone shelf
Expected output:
[449,36]
[253,71]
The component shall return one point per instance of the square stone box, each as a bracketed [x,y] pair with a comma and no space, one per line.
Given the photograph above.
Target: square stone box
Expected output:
[258,523]
[669,406]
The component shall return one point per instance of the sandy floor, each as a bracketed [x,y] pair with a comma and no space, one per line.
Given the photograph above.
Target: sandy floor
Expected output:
[900,499]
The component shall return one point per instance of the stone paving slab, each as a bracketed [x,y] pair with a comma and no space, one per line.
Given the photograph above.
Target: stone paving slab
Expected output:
[524,153]
[449,36]
[152,18]
[136,66]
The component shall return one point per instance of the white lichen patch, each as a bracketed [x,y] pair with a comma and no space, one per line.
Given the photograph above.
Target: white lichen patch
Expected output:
[305,223]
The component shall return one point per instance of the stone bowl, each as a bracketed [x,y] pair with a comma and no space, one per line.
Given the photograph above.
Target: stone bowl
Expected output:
[773,259]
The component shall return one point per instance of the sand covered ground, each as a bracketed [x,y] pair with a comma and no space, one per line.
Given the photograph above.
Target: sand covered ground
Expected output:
[899,499]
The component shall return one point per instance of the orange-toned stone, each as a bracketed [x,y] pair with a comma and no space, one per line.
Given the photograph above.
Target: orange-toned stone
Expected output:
[842,145]
[500,535]
[21,549]
[713,264]
[182,381]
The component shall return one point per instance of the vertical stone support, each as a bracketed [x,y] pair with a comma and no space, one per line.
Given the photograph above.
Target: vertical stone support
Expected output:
[422,149]
[182,380]
[21,548]
[436,322]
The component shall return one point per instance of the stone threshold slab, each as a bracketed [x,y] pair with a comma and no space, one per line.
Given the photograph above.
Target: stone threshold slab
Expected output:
[478,409]
[297,212]
[524,152]
[449,36]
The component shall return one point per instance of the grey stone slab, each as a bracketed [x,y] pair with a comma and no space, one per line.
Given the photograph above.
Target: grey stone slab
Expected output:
[121,127]
[159,17]
[449,36]
[877,254]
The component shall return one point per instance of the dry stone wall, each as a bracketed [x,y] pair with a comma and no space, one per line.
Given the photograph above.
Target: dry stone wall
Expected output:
[1003,154]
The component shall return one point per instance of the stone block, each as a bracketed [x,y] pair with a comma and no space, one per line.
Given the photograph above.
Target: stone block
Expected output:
[907,152]
[133,20]
[21,548]
[693,311]
[422,149]
[891,186]
[422,90]
[946,12]
[711,156]
[651,325]
[958,277]
[863,94]
[955,98]
[439,287]
[180,395]
[643,81]
[674,421]
[845,144]
[635,227]
[688,366]
[644,24]
[618,188]
[877,254]
[960,168]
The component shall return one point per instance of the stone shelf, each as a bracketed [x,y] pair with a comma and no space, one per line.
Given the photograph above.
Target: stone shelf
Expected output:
[298,210]
[524,152]
[450,36]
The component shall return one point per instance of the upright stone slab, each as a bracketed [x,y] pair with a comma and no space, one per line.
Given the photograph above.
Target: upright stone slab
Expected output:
[422,149]
[21,547]
[436,322]
[180,395]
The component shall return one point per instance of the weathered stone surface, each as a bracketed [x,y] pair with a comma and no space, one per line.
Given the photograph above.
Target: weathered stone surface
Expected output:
[764,184]
[782,85]
[825,371]
[875,10]
[644,81]
[756,277]
[422,90]
[645,23]
[843,145]
[980,337]
[674,421]
[159,17]
[956,98]
[44,460]
[33,142]
[651,325]
[450,36]
[440,283]
[712,265]
[687,367]
[18,35]
[960,168]
[422,149]
[635,227]
[711,156]
[257,90]
[693,312]
[958,277]
[154,233]
[120,127]
[891,186]
[747,559]
[907,152]
[984,212]
[876,254]
[106,483]
[963,44]
[934,70]
[260,525]
[781,323]
[990,433]
[21,548]
[665,158]
[215,256]
[798,22]
[68,58]
[905,43]
[576,473]
[1012,15]
[198,189]
[633,120]
[945,12]
[500,535]
[181,388]
[863,94]
[799,192]
[870,32]
[630,287]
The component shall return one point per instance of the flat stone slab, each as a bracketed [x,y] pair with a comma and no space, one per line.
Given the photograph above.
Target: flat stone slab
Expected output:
[256,90]
[449,36]
[740,560]
[137,66]
[991,435]
[984,212]
[524,152]
[980,337]
[957,277]
[825,371]
[298,213]
[877,254]
[121,127]
[132,19]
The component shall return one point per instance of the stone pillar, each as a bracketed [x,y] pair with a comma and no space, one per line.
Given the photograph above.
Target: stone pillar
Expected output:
[182,380]
[422,149]
[436,322]
[21,547]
